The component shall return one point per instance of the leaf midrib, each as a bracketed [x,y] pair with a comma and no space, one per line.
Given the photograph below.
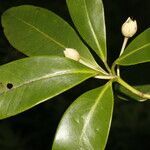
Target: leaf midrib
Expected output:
[41,32]
[55,74]
[91,112]
[134,51]
[93,31]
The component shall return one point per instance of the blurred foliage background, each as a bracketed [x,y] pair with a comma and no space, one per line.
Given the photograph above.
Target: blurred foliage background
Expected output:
[35,128]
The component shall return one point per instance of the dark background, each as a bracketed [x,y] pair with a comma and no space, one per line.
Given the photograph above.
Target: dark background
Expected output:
[35,128]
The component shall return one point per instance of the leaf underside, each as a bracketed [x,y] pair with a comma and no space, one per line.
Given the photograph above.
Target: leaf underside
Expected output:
[125,94]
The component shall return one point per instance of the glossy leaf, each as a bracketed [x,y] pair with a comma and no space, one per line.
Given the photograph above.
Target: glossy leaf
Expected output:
[30,81]
[88,17]
[125,94]
[86,123]
[37,31]
[138,50]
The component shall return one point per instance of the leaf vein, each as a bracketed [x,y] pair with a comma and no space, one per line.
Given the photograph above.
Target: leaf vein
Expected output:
[92,30]
[55,74]
[91,112]
[134,51]
[41,32]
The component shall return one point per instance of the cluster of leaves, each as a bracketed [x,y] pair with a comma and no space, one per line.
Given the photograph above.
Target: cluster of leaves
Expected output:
[42,35]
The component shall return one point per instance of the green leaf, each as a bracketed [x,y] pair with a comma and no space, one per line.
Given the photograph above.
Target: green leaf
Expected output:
[88,17]
[137,51]
[125,94]
[86,123]
[30,81]
[37,31]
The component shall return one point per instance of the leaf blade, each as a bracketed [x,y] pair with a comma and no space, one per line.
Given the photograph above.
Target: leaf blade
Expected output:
[137,51]
[88,17]
[86,123]
[37,31]
[33,79]
[125,94]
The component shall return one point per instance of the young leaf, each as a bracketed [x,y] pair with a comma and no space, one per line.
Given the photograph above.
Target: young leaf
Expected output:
[138,51]
[30,81]
[86,123]
[88,17]
[37,31]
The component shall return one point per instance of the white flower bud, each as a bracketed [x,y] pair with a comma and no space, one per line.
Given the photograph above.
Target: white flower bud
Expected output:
[129,28]
[72,54]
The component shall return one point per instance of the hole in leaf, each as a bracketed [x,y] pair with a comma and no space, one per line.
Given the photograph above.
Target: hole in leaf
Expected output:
[9,85]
